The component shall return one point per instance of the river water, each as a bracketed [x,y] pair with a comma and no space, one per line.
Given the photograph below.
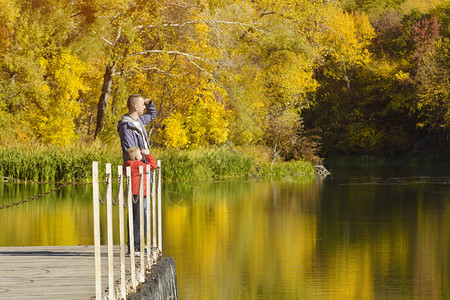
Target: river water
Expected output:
[357,234]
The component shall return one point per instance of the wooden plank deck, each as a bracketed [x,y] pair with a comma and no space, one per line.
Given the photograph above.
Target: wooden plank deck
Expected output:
[65,272]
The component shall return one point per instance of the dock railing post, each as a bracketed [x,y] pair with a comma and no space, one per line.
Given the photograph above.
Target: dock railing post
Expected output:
[150,243]
[130,229]
[97,250]
[147,213]
[109,219]
[154,219]
[123,291]
[159,209]
[141,225]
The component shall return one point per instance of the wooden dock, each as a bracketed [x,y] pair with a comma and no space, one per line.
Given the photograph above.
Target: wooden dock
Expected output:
[65,272]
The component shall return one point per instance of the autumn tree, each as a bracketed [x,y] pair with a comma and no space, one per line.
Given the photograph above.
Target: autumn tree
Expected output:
[282,132]
[431,71]
[42,72]
[385,110]
[371,75]
[268,64]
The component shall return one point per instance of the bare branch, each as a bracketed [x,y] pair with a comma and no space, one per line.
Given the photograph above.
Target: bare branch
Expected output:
[108,42]
[169,25]
[146,68]
[200,68]
[119,32]
[11,96]
[172,65]
[189,56]
[265,12]
[190,10]
[200,22]
[241,24]
[113,44]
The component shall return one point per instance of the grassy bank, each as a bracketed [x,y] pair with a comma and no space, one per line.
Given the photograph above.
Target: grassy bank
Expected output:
[51,164]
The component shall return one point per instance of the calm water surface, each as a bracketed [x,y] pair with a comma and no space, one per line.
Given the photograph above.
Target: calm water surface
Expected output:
[359,234]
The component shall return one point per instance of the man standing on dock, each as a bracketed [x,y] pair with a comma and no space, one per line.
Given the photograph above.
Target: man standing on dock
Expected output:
[131,127]
[132,133]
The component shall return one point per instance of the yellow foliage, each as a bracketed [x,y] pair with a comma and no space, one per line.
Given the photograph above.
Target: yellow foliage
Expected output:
[53,119]
[363,135]
[206,121]
[402,75]
[200,120]
[174,133]
[249,100]
[345,38]
[68,71]
[423,6]
[290,77]
[9,10]
[298,10]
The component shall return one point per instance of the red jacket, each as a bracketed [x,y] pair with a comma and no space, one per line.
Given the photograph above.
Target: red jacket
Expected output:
[134,164]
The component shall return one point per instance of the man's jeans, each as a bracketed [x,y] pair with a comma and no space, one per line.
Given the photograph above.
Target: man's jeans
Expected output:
[136,223]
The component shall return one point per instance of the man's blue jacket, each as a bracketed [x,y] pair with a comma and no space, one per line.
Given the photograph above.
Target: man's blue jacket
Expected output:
[130,135]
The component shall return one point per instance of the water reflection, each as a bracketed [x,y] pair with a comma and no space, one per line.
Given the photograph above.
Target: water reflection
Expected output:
[341,238]
[374,238]
[60,218]
[234,248]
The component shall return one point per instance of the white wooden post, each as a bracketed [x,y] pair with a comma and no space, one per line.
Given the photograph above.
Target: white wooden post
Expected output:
[141,224]
[123,291]
[154,219]
[147,215]
[97,250]
[159,209]
[109,218]
[130,229]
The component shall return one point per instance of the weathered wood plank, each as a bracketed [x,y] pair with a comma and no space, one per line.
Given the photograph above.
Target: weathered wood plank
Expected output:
[52,272]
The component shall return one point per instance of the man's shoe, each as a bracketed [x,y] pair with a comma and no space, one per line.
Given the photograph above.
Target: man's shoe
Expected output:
[137,251]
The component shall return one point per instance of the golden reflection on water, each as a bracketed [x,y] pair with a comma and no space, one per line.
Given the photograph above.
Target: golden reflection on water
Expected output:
[234,248]
[263,240]
[60,218]
[286,241]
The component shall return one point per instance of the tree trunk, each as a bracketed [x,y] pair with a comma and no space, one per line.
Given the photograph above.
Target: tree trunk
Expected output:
[273,155]
[104,97]
[347,80]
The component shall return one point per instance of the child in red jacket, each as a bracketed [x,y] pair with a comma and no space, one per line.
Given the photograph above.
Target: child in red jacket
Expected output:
[134,157]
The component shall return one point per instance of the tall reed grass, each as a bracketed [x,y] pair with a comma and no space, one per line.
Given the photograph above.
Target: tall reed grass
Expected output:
[205,165]
[287,170]
[53,164]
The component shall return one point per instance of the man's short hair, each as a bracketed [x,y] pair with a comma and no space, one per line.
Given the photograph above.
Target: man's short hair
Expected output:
[132,153]
[131,102]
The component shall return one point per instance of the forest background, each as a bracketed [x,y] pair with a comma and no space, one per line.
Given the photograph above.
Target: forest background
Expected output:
[290,80]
